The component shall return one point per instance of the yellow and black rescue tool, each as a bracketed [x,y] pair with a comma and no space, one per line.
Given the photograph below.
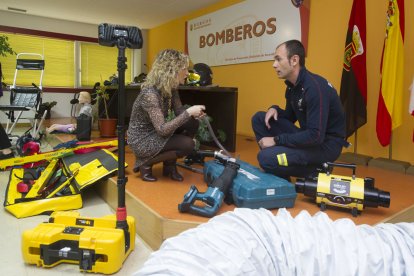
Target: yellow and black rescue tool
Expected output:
[19,205]
[63,185]
[46,156]
[43,180]
[347,192]
[96,244]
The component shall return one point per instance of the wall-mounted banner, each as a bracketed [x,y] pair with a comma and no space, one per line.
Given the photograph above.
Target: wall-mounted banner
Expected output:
[246,32]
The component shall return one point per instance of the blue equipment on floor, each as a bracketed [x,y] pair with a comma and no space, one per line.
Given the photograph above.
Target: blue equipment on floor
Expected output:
[249,188]
[216,192]
[253,188]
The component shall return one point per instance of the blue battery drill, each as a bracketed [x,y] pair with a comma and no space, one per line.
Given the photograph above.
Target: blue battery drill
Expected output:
[212,199]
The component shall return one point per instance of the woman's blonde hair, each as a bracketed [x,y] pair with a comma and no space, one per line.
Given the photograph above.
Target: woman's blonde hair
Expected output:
[164,71]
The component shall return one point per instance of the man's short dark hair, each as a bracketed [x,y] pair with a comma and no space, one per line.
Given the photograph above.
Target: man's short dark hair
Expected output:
[295,47]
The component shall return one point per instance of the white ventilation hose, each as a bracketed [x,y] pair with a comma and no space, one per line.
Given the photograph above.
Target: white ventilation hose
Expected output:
[255,242]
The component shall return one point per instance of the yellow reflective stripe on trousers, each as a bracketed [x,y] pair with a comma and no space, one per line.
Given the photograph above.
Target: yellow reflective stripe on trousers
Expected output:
[282,160]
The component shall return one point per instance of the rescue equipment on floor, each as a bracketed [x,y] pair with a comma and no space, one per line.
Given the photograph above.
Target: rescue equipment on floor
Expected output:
[347,192]
[96,244]
[56,185]
[216,191]
[49,155]
[248,187]
[253,188]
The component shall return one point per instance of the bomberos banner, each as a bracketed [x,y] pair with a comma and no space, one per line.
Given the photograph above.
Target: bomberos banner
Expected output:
[246,32]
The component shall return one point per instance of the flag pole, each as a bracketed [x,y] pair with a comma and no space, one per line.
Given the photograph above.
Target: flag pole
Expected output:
[390,148]
[355,141]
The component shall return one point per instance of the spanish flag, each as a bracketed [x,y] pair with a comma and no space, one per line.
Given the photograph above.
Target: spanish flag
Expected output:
[390,100]
[354,73]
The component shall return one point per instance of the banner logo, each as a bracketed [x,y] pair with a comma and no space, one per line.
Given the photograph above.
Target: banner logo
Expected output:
[243,32]
[353,49]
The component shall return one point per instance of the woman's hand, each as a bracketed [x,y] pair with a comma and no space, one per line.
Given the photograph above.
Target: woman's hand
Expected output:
[196,110]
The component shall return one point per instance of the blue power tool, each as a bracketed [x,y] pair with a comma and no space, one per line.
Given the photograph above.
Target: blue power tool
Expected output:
[212,199]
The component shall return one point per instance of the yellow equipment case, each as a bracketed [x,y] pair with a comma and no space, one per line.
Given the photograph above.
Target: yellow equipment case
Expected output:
[56,185]
[97,245]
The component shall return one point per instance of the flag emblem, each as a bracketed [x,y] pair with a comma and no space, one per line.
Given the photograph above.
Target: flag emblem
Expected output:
[353,49]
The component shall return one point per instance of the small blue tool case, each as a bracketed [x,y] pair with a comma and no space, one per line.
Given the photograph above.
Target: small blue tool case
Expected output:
[253,188]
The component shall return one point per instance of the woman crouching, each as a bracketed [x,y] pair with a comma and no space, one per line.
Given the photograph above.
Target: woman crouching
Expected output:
[152,138]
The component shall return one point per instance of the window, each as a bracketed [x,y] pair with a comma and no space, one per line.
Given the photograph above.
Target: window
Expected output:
[97,63]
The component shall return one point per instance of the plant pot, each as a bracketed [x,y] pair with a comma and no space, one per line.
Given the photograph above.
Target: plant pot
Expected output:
[107,127]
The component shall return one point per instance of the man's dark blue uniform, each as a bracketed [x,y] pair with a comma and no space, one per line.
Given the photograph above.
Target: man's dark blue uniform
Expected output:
[298,151]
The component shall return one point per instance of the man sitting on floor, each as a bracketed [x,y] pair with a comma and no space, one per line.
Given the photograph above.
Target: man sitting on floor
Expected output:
[285,149]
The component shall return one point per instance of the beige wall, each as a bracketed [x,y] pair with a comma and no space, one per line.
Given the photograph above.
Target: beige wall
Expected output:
[259,86]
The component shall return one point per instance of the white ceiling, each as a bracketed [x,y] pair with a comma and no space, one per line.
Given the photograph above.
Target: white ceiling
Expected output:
[144,14]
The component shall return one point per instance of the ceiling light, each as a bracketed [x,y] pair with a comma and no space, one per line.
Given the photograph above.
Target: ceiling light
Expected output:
[16,9]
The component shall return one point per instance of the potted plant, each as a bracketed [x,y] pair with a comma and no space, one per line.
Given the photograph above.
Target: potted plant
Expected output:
[107,125]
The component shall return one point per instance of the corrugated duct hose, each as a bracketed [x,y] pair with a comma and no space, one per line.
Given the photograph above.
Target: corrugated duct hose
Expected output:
[256,242]
[210,129]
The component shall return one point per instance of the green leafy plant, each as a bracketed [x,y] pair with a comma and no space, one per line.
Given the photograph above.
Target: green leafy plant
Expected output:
[203,135]
[5,48]
[101,93]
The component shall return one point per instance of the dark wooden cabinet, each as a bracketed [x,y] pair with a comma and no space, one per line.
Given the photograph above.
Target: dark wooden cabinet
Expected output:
[220,102]
[221,106]
[131,92]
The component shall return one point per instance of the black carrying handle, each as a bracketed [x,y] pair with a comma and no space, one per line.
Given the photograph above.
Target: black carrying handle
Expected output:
[342,165]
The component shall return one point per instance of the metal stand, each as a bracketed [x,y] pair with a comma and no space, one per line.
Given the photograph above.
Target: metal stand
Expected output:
[121,213]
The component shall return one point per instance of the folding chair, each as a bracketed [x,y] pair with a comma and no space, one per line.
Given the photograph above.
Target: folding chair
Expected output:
[25,98]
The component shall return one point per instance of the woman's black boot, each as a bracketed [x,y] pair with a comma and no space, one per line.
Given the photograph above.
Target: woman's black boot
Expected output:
[146,173]
[170,169]
[146,169]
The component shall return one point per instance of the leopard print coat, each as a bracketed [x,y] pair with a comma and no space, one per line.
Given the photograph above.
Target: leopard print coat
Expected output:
[148,129]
